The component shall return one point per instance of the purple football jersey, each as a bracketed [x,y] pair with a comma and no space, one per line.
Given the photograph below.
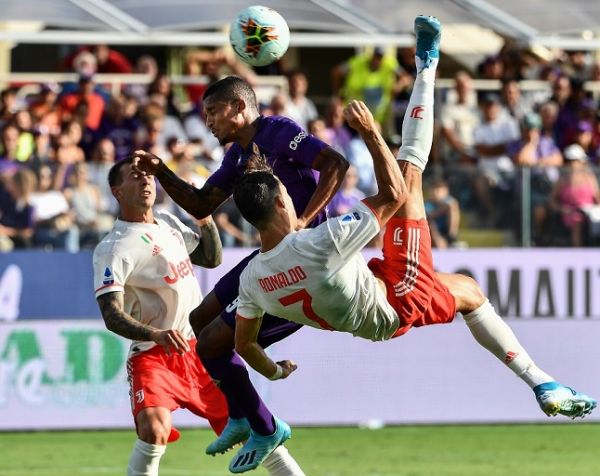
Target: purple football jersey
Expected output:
[289,150]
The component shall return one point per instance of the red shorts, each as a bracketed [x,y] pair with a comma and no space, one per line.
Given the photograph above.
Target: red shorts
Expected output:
[175,381]
[413,289]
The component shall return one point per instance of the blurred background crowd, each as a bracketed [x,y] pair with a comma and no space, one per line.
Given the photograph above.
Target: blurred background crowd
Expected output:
[514,161]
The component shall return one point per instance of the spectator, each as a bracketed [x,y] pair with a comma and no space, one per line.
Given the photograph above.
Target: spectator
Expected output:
[213,64]
[110,61]
[120,128]
[44,110]
[42,148]
[84,94]
[347,196]
[513,102]
[584,136]
[576,189]
[539,151]
[492,138]
[9,142]
[298,107]
[233,229]
[85,201]
[16,220]
[370,78]
[146,65]
[443,214]
[459,118]
[54,227]
[8,105]
[339,134]
[168,125]
[103,158]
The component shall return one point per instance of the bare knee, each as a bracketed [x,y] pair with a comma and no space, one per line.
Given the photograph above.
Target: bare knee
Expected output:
[215,340]
[154,425]
[466,291]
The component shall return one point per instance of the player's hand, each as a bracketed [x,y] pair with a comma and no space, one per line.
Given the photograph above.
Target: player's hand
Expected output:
[146,162]
[358,116]
[288,367]
[171,339]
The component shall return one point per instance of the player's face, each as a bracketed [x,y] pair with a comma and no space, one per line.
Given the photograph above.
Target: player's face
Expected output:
[136,190]
[222,119]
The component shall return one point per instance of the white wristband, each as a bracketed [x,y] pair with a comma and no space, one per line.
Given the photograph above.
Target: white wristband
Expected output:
[278,373]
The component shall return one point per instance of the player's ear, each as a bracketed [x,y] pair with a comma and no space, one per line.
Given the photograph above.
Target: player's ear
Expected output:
[241,105]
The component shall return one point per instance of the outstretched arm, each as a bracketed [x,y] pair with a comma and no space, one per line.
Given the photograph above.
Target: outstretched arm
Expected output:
[332,168]
[392,191]
[209,252]
[246,334]
[199,203]
[121,323]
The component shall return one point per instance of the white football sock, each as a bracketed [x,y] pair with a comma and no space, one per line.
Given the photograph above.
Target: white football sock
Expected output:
[281,463]
[145,458]
[417,125]
[490,330]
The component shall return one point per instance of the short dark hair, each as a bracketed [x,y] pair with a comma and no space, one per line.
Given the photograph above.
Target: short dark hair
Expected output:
[230,89]
[256,191]
[114,174]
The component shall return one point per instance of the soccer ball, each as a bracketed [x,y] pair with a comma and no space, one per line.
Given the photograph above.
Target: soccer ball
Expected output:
[259,35]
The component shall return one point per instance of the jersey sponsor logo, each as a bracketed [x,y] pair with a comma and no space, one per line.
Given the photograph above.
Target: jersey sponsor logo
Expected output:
[108,277]
[282,280]
[139,396]
[179,271]
[349,218]
[416,112]
[233,305]
[398,241]
[296,140]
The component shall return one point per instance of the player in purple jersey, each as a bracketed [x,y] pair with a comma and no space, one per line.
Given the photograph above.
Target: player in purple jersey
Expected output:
[232,115]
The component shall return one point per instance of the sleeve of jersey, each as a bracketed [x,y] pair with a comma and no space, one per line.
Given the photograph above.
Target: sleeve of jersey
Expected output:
[246,307]
[190,237]
[354,230]
[225,176]
[293,141]
[110,273]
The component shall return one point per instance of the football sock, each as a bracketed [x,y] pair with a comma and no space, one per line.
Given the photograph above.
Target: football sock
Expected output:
[417,125]
[490,330]
[144,459]
[232,378]
[281,463]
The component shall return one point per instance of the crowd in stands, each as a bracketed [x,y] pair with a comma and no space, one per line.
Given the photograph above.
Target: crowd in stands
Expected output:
[57,145]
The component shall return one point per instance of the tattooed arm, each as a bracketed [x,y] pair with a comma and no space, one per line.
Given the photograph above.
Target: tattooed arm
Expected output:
[199,203]
[209,252]
[121,323]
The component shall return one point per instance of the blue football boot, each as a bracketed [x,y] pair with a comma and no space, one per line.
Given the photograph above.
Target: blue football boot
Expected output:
[554,398]
[429,32]
[258,447]
[236,431]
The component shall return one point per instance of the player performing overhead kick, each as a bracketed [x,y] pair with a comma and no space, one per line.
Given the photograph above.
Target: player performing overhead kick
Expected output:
[232,115]
[319,278]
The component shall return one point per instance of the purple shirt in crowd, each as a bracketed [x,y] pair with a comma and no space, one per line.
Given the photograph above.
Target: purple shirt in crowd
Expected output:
[289,150]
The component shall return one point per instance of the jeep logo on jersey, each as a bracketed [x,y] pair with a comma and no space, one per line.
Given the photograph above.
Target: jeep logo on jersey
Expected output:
[294,143]
[179,271]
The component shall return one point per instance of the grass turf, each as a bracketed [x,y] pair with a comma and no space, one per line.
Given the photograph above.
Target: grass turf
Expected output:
[515,450]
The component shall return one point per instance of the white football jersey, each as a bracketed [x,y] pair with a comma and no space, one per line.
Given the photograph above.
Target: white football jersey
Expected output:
[150,263]
[318,277]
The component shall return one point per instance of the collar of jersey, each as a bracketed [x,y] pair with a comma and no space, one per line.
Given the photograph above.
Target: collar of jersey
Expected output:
[128,224]
[281,246]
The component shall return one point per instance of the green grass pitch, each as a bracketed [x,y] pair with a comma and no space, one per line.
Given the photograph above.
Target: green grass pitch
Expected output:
[482,450]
